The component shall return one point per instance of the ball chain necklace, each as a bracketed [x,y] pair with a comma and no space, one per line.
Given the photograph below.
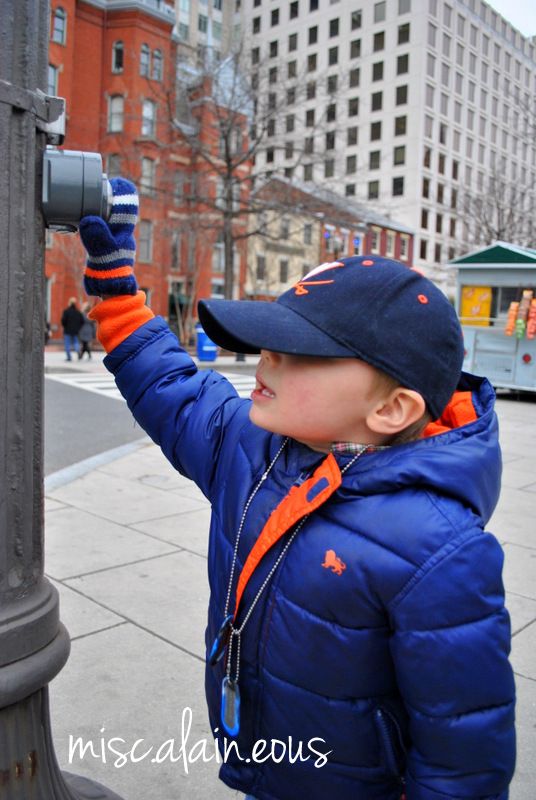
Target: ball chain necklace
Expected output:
[228,633]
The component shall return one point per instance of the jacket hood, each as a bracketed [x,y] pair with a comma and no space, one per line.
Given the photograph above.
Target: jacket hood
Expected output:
[463,462]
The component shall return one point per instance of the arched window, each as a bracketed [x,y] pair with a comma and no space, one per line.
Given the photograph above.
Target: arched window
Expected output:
[116,106]
[145,60]
[117,56]
[59,26]
[157,65]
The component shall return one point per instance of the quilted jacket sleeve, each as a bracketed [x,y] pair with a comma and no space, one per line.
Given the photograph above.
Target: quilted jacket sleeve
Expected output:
[450,648]
[192,414]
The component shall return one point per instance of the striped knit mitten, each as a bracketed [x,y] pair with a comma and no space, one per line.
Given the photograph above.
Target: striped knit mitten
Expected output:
[110,245]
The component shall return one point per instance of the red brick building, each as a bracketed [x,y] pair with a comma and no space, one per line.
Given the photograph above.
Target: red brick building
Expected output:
[115,64]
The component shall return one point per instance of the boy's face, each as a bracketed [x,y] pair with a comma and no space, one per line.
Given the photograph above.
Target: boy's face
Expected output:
[316,401]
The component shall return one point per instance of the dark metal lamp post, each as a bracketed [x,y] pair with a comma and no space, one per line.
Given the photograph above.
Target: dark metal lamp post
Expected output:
[34,645]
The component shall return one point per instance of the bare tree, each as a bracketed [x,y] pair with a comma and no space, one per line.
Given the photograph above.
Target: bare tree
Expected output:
[236,116]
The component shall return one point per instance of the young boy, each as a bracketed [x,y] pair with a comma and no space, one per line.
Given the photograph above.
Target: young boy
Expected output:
[357,641]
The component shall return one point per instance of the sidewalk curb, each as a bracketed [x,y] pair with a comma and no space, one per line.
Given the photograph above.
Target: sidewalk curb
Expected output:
[64,476]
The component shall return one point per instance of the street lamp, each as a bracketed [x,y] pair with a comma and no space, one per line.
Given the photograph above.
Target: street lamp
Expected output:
[34,645]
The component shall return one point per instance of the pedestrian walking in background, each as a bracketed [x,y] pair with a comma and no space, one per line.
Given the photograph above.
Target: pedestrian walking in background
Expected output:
[86,333]
[72,320]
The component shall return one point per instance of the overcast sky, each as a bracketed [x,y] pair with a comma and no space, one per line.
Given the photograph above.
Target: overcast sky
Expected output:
[521,13]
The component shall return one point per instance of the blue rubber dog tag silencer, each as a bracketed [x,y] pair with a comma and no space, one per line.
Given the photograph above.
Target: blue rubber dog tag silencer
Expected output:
[230,706]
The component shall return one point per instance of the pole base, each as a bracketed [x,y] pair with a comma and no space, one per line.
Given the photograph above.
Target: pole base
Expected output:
[28,764]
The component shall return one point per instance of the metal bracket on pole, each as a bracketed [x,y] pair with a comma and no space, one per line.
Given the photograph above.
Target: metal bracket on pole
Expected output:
[49,111]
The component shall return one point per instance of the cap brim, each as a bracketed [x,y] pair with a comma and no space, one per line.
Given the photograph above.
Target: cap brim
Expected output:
[249,326]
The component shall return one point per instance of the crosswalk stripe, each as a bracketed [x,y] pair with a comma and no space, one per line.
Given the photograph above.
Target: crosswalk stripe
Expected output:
[105,384]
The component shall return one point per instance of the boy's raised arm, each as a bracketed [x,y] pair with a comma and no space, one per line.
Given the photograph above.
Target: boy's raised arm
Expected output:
[450,648]
[183,410]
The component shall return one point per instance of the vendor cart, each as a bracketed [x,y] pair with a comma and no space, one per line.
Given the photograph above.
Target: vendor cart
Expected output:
[496,304]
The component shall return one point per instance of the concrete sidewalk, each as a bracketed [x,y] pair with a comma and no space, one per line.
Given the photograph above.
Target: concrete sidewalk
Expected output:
[126,544]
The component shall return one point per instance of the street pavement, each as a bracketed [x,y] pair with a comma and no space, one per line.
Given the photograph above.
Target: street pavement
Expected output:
[126,544]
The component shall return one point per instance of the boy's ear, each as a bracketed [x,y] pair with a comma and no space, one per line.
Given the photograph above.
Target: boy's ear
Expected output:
[398,411]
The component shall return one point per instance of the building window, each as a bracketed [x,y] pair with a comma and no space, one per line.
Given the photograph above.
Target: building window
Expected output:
[202,23]
[373,190]
[400,126]
[52,80]
[377,71]
[349,190]
[148,171]
[374,159]
[439,223]
[331,112]
[376,101]
[404,246]
[284,229]
[401,95]
[283,270]
[116,106]
[426,187]
[423,247]
[403,33]
[424,218]
[437,253]
[375,131]
[261,267]
[356,19]
[118,53]
[113,165]
[390,244]
[307,172]
[332,84]
[375,236]
[379,11]
[329,168]
[404,6]
[378,42]
[355,48]
[145,60]
[307,233]
[333,56]
[157,65]
[289,150]
[148,118]
[399,155]
[184,31]
[398,187]
[59,26]
[256,25]
[311,62]
[145,241]
[334,27]
[313,34]
[310,118]
[275,17]
[294,9]
[289,123]
[354,77]
[272,75]
[402,64]
[292,42]
[351,164]
[330,140]
[353,107]
[351,136]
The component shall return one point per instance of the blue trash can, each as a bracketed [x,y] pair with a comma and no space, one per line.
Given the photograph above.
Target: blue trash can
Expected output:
[206,349]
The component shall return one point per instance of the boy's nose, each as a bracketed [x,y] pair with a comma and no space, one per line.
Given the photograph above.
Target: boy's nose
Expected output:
[269,357]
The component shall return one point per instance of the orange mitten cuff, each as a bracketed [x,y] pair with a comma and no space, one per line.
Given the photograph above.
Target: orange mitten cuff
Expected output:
[118,317]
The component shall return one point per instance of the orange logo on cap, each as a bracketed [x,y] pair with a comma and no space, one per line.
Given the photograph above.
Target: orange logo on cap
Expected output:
[301,285]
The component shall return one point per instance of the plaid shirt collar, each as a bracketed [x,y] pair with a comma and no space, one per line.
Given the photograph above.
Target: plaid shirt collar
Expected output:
[352,448]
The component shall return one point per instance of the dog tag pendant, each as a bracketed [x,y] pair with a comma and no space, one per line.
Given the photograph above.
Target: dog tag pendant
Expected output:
[221,641]
[230,706]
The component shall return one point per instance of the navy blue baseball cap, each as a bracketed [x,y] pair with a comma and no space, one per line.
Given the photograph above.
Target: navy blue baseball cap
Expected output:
[366,307]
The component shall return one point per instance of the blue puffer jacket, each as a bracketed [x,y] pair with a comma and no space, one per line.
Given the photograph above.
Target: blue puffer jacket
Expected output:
[397,665]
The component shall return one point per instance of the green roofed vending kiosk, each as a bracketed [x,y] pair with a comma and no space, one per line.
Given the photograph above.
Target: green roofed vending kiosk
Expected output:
[496,304]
